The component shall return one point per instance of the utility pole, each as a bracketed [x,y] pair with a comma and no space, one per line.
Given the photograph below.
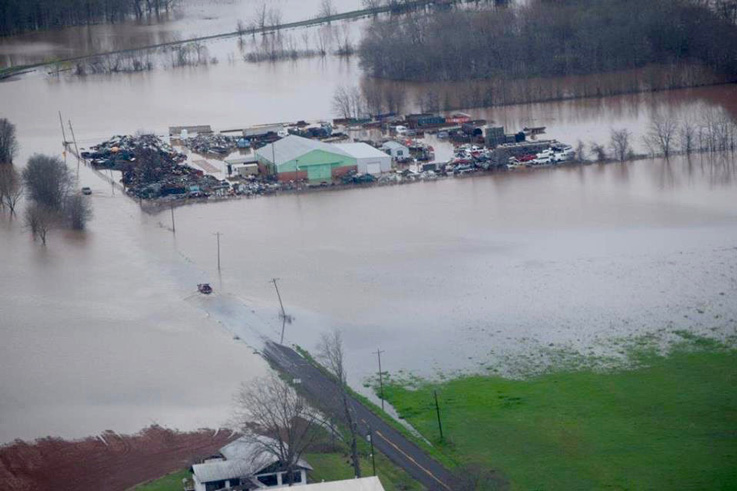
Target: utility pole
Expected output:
[283,314]
[218,234]
[381,378]
[112,182]
[63,133]
[437,410]
[173,226]
[370,438]
[76,149]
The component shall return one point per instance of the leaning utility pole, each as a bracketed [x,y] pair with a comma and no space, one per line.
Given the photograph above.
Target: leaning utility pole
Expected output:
[283,314]
[76,149]
[63,133]
[381,379]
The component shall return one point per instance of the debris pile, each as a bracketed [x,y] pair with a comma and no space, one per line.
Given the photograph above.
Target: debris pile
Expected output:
[211,143]
[153,169]
[119,151]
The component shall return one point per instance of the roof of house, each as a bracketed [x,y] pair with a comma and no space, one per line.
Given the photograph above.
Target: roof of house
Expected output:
[393,145]
[219,471]
[362,484]
[361,150]
[243,457]
[292,147]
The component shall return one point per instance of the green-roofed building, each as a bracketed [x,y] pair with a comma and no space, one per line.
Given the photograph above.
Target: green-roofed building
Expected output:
[295,158]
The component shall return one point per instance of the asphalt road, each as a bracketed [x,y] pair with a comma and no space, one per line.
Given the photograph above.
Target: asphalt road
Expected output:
[325,393]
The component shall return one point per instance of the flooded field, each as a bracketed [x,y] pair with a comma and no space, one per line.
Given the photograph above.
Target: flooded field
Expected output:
[191,19]
[104,330]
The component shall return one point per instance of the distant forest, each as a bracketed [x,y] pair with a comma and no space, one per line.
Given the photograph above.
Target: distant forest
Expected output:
[550,38]
[17,16]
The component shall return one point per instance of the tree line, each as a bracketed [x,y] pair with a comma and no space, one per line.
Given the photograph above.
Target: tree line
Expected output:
[550,38]
[17,16]
[46,183]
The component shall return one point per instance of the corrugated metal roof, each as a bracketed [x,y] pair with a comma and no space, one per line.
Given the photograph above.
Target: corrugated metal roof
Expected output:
[218,471]
[361,150]
[292,147]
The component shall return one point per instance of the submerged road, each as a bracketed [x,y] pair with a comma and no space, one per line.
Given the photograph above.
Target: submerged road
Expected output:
[319,387]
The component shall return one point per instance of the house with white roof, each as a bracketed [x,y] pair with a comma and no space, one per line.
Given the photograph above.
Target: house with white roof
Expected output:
[245,464]
[396,150]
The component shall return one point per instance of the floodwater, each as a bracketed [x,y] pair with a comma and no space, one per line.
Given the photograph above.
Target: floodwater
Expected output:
[192,18]
[104,329]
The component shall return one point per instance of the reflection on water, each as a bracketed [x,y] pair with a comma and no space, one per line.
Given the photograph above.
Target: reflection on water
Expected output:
[193,18]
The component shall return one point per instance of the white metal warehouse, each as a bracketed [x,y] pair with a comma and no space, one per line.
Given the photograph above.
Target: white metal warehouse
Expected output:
[369,160]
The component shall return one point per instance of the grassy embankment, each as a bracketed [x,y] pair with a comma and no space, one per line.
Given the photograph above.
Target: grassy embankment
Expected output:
[670,424]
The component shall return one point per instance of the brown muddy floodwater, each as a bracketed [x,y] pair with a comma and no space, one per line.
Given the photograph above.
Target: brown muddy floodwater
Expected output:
[104,329]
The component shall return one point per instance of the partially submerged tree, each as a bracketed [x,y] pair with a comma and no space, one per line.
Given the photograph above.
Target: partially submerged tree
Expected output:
[40,220]
[687,137]
[11,188]
[47,181]
[661,134]
[8,142]
[274,418]
[78,211]
[620,144]
[599,151]
[332,356]
[327,9]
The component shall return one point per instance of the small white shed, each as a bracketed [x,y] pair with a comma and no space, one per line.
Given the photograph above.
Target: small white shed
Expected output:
[396,150]
[369,160]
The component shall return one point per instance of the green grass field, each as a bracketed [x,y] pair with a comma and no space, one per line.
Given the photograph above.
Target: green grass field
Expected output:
[336,466]
[672,425]
[170,482]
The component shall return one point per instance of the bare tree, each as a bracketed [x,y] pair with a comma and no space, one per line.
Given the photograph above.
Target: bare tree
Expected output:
[11,187]
[8,142]
[396,98]
[327,9]
[373,97]
[599,151]
[332,356]
[275,419]
[620,144]
[371,4]
[342,102]
[78,211]
[261,16]
[661,134]
[40,220]
[580,151]
[47,181]
[275,17]
[687,137]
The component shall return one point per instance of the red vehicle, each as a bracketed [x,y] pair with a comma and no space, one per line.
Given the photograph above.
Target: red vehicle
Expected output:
[527,158]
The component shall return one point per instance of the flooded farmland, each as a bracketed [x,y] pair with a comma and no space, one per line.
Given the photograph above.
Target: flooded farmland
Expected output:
[104,330]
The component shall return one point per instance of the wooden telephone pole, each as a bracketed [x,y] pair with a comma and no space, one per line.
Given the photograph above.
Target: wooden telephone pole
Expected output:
[283,313]
[381,379]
